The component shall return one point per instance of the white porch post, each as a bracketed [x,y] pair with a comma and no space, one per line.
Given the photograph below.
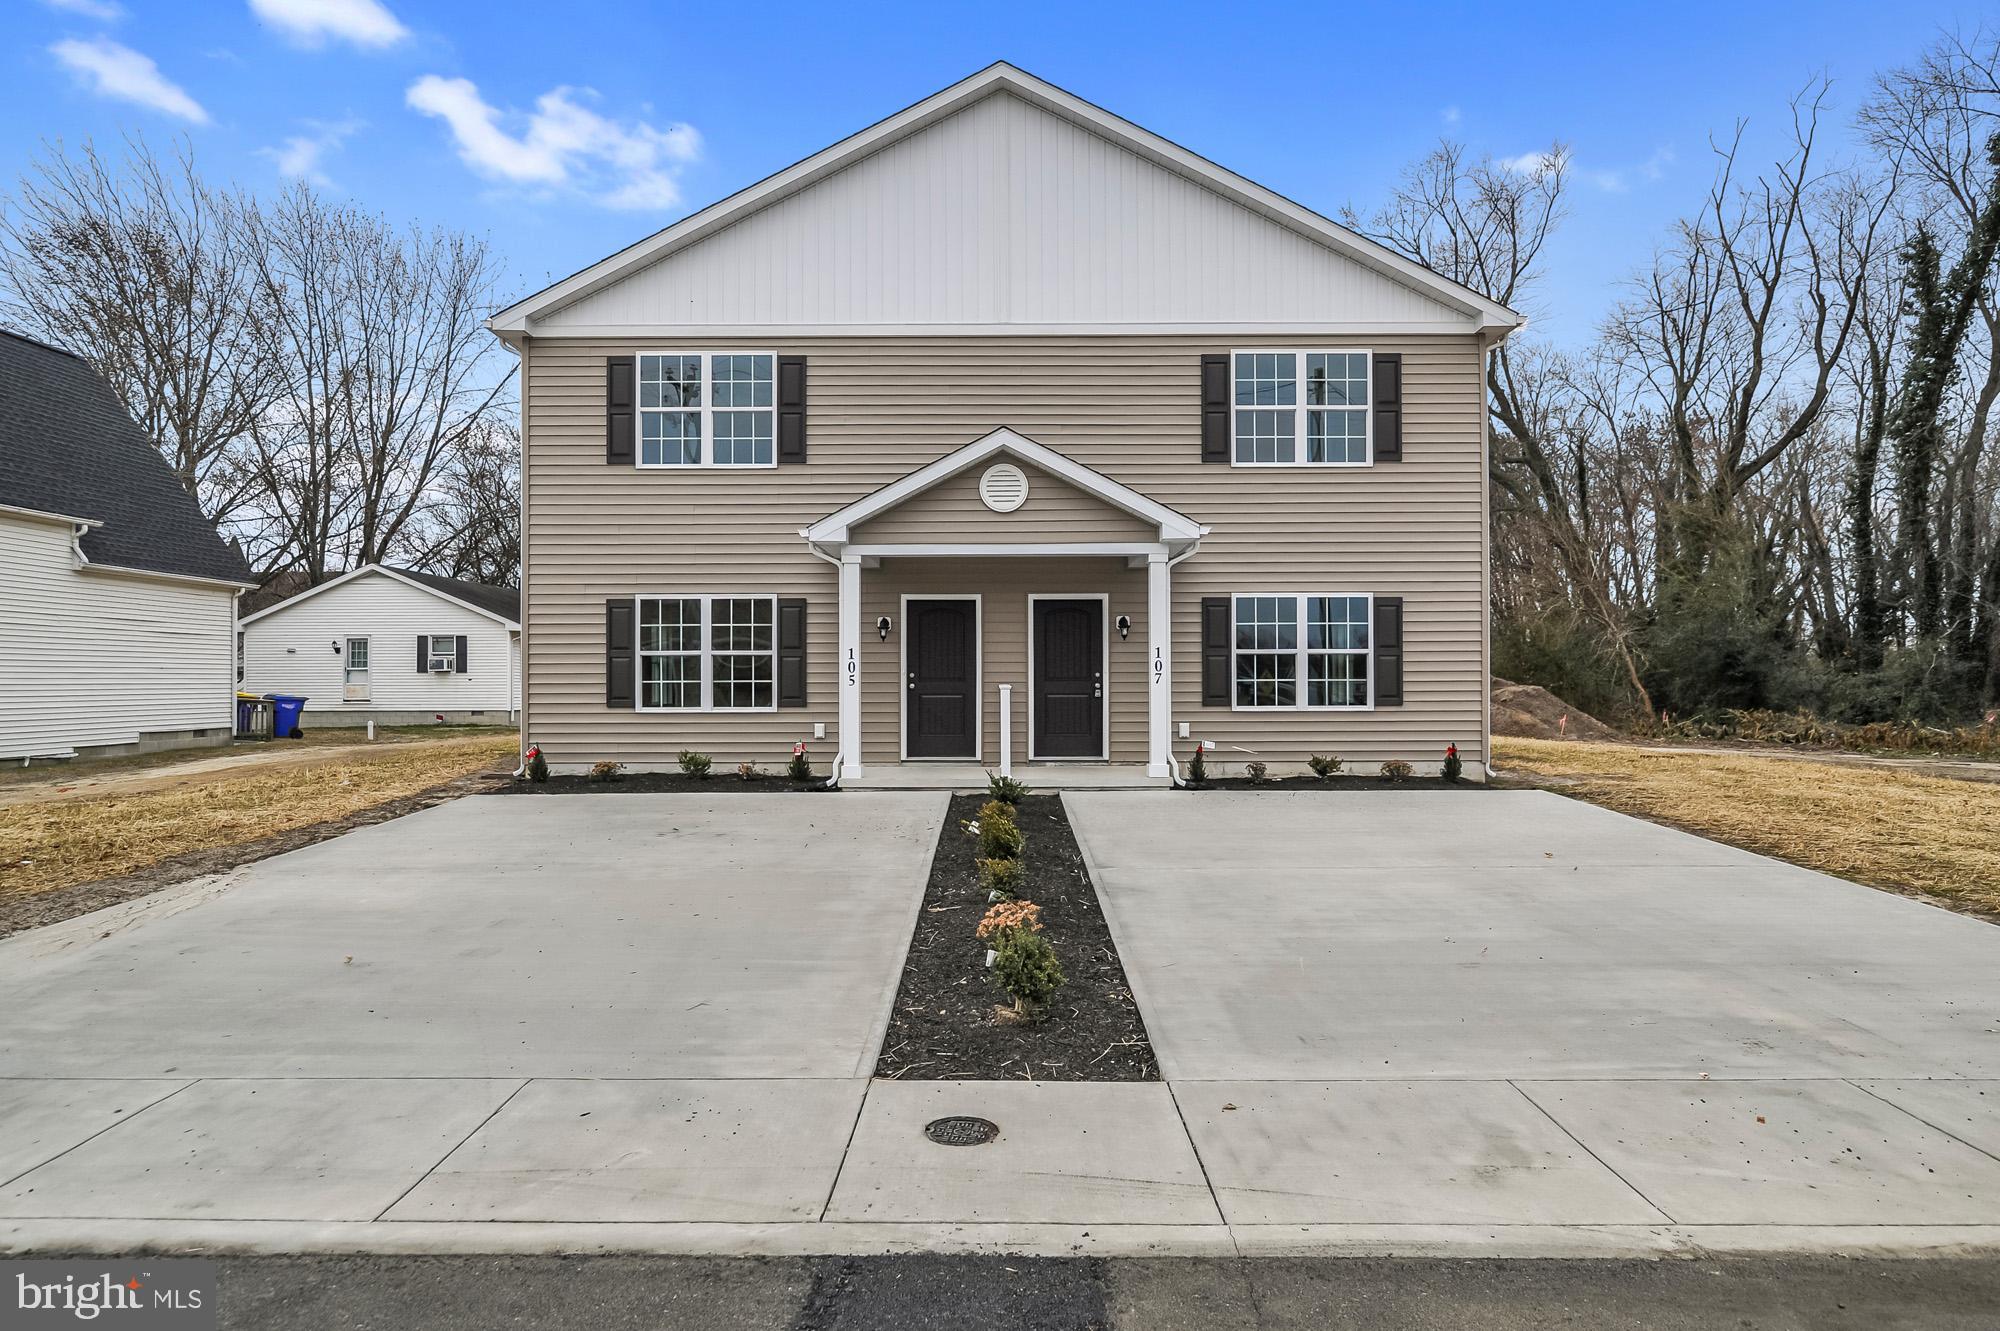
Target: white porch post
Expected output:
[850,665]
[1159,665]
[1006,730]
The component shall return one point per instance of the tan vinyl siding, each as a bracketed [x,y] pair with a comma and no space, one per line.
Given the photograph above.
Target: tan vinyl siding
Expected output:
[953,511]
[1127,405]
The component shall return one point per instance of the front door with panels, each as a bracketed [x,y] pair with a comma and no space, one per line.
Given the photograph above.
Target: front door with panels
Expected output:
[354,680]
[941,679]
[1068,679]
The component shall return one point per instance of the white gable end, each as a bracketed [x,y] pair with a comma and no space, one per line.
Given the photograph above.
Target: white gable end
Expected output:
[1006,213]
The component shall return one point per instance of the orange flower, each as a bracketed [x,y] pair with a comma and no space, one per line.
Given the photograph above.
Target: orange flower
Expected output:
[1007,915]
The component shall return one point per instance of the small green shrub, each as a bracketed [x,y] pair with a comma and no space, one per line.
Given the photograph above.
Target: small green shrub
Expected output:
[1007,877]
[1324,765]
[606,771]
[1258,773]
[999,838]
[1198,769]
[696,765]
[538,766]
[1397,770]
[1453,767]
[1005,789]
[800,768]
[1026,967]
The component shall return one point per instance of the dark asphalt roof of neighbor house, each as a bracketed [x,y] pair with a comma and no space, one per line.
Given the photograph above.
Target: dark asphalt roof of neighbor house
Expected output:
[495,600]
[67,445]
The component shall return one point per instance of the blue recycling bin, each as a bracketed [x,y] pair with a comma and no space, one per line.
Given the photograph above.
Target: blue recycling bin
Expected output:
[285,709]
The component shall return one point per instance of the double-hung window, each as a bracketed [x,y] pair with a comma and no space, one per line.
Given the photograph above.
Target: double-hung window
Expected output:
[1302,650]
[708,653]
[444,652]
[708,409]
[1300,408]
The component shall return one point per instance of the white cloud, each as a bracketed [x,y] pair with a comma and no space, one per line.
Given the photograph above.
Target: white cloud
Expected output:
[564,143]
[301,155]
[310,22]
[1656,166]
[1531,164]
[1450,115]
[111,70]
[105,11]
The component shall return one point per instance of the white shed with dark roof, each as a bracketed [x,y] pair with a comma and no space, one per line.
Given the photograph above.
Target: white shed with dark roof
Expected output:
[391,645]
[117,597]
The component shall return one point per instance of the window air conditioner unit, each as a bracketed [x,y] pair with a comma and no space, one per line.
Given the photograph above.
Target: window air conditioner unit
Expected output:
[440,666]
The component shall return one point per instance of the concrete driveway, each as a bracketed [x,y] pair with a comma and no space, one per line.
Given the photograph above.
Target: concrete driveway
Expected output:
[1508,1008]
[619,1007]
[503,936]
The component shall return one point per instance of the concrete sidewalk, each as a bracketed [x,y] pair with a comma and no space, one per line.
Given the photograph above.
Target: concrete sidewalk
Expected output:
[1580,1169]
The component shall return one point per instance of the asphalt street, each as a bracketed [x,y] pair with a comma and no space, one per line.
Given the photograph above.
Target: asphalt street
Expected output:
[938,1293]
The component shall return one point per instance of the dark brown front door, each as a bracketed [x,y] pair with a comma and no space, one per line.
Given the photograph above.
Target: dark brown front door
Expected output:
[1069,679]
[941,662]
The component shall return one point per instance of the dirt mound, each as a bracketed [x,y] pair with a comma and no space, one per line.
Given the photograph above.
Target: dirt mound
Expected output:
[1529,711]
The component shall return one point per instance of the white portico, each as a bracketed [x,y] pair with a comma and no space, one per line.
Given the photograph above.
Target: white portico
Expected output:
[979,641]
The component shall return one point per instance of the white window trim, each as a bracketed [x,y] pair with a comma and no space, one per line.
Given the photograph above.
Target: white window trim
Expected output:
[706,411]
[1300,653]
[1300,408]
[707,654]
[431,652]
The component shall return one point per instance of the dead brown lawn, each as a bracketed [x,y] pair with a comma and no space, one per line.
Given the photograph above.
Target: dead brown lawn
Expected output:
[1891,829]
[64,842]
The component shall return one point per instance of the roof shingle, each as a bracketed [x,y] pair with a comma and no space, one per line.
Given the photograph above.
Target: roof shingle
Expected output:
[67,445]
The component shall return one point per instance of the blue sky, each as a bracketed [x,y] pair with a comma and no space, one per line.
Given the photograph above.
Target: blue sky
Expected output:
[564,132]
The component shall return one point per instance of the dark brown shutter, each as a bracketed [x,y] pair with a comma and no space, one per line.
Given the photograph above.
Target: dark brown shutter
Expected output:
[461,654]
[791,652]
[1215,654]
[618,672]
[791,409]
[1215,408]
[1388,651]
[1388,387]
[620,401]
[423,653]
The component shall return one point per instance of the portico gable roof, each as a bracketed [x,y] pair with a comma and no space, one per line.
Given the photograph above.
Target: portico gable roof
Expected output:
[1177,531]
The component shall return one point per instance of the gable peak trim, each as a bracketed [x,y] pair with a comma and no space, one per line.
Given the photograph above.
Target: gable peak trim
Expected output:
[1484,313]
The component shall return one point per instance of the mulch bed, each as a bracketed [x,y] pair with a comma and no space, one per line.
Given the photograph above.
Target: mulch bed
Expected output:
[666,783]
[34,909]
[1334,785]
[943,1027]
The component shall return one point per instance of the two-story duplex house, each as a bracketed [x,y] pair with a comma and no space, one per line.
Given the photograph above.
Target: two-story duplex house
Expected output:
[1005,430]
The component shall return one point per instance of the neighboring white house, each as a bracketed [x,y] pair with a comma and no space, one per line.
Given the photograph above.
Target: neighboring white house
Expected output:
[390,645]
[117,597]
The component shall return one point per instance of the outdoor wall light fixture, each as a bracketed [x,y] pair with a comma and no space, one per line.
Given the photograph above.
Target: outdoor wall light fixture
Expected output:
[336,649]
[882,628]
[1124,626]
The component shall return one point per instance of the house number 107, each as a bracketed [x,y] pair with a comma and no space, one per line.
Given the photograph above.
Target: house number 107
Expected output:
[1159,666]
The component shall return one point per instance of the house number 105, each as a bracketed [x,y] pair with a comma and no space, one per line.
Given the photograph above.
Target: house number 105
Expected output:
[853,667]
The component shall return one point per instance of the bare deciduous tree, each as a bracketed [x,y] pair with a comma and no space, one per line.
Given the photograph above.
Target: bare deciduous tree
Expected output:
[145,272]
[387,377]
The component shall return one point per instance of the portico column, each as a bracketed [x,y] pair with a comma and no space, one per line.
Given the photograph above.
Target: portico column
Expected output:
[850,665]
[1159,666]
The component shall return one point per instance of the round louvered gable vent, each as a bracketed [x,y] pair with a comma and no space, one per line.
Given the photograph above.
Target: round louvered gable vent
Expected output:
[1004,487]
